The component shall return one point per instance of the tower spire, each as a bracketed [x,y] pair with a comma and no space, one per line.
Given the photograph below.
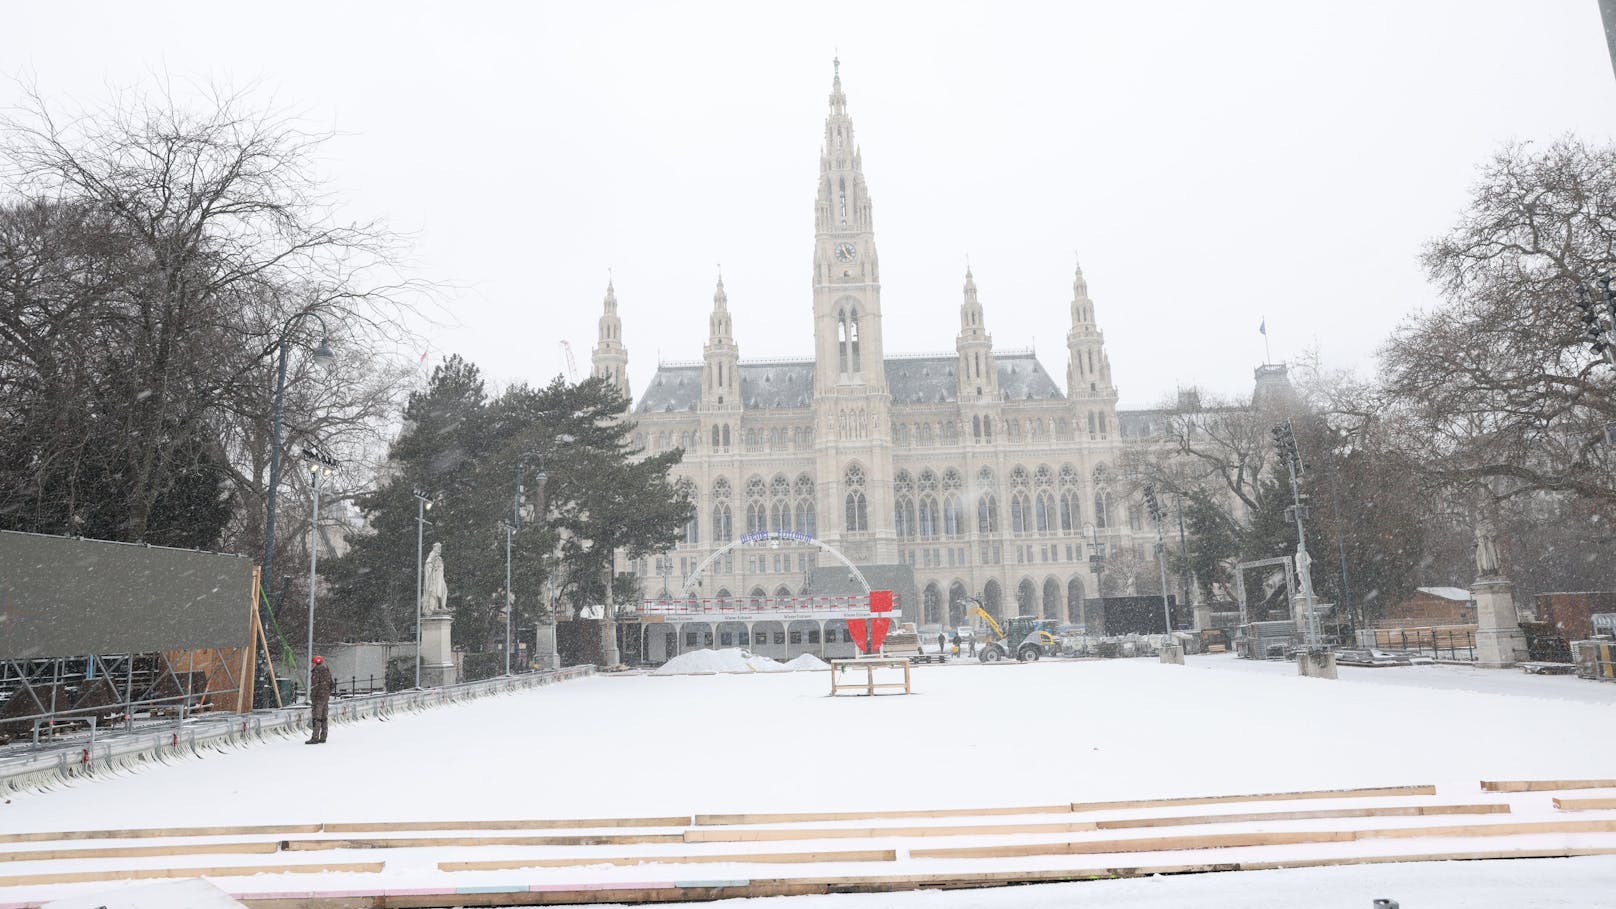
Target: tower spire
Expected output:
[609,360]
[1088,371]
[978,376]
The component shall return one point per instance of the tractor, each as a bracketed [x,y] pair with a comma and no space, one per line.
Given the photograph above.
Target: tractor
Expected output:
[1025,637]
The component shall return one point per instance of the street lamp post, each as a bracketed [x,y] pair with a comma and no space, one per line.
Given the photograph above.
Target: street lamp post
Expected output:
[323,356]
[1096,564]
[1285,441]
[423,504]
[1159,516]
[319,465]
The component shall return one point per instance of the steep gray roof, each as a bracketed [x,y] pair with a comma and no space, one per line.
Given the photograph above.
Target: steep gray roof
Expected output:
[772,384]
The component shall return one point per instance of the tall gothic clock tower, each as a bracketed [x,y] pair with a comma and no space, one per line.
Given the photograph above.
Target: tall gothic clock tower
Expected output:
[852,407]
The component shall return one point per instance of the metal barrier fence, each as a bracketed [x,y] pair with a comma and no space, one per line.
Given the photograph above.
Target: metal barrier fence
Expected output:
[1456,643]
[46,697]
[27,766]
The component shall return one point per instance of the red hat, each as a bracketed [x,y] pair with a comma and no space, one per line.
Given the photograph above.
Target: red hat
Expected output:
[318,660]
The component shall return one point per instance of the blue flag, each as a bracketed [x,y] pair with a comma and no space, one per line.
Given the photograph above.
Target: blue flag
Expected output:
[1262,329]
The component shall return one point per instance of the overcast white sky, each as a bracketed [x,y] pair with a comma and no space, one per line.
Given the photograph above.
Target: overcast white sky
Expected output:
[1211,163]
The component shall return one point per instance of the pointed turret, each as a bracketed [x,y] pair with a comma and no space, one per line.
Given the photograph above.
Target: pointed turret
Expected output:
[978,376]
[1088,370]
[721,386]
[609,359]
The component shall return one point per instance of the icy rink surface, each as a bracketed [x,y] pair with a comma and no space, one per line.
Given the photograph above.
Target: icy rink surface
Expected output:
[973,735]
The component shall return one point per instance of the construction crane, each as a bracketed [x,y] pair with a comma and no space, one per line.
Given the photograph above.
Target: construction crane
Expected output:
[572,365]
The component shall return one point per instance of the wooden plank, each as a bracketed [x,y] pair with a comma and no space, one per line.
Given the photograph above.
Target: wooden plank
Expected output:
[1372,792]
[757,858]
[816,833]
[838,833]
[1270,838]
[50,855]
[130,874]
[1584,804]
[718,820]
[1524,828]
[1146,844]
[724,820]
[1544,785]
[526,824]
[604,839]
[155,832]
[1383,811]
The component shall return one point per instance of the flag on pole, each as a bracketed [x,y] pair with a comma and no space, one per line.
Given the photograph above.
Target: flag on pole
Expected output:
[1262,328]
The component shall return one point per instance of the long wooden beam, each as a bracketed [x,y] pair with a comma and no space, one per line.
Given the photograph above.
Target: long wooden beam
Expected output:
[1584,804]
[1544,785]
[719,820]
[131,874]
[698,835]
[266,847]
[754,858]
[604,839]
[1269,838]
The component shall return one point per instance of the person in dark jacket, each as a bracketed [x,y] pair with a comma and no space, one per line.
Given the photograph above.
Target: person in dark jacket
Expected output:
[320,687]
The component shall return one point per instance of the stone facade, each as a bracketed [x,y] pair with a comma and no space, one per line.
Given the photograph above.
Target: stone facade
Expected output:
[974,467]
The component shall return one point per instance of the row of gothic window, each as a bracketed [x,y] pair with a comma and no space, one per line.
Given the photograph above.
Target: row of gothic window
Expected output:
[1041,501]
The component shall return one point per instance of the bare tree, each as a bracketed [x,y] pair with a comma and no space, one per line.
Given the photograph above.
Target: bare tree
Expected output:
[1494,392]
[154,259]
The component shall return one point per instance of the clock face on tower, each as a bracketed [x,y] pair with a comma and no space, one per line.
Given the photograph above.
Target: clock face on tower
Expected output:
[846,252]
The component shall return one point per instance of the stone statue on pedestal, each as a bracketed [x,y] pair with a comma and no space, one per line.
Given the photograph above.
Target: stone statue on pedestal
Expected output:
[434,589]
[1486,549]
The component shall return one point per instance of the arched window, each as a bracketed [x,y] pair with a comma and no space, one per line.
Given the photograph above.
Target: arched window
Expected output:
[928,517]
[1020,513]
[932,599]
[723,522]
[757,519]
[853,339]
[987,513]
[1071,514]
[1044,511]
[858,513]
[803,489]
[953,516]
[726,436]
[715,437]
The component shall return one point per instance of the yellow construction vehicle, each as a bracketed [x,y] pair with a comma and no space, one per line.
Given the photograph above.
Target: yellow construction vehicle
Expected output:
[1028,637]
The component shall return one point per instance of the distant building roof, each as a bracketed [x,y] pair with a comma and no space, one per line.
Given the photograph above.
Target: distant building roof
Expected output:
[774,384]
[1446,593]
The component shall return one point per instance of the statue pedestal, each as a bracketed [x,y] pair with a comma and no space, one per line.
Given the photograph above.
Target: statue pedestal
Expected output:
[1499,641]
[1203,616]
[437,658]
[544,649]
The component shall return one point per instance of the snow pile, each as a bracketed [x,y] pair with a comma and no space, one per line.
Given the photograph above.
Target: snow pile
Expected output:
[806,661]
[730,659]
[764,664]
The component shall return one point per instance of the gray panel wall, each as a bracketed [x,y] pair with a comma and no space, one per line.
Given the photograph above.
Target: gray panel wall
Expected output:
[61,596]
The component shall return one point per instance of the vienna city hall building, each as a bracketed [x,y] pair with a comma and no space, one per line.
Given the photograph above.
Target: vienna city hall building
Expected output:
[976,469]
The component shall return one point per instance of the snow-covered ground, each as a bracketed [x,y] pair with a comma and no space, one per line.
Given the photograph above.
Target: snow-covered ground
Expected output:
[973,735]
